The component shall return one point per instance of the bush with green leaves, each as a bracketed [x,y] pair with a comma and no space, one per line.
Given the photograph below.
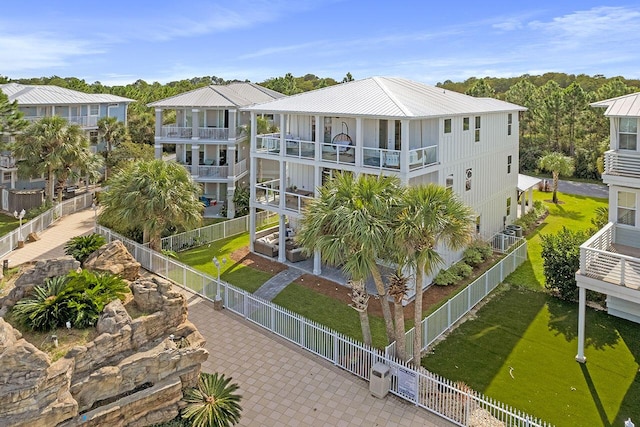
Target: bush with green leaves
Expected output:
[561,260]
[80,247]
[477,253]
[214,402]
[78,297]
[527,220]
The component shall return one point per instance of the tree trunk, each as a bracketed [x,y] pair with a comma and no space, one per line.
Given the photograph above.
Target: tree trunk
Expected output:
[50,186]
[401,346]
[360,303]
[386,311]
[555,187]
[366,329]
[417,317]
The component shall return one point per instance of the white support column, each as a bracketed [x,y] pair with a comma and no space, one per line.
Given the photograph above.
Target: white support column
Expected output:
[231,180]
[404,152]
[391,134]
[14,176]
[282,238]
[195,158]
[523,203]
[158,151]
[319,140]
[283,134]
[252,222]
[531,198]
[158,124]
[581,315]
[317,264]
[232,124]
[195,122]
[254,133]
[359,142]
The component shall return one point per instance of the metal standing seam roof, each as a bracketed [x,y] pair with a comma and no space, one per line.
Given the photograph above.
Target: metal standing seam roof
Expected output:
[55,95]
[525,182]
[626,105]
[231,95]
[384,97]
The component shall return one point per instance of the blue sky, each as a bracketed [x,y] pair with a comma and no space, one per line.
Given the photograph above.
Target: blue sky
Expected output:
[118,42]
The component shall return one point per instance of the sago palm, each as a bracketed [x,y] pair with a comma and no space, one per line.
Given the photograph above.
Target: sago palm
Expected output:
[46,308]
[213,403]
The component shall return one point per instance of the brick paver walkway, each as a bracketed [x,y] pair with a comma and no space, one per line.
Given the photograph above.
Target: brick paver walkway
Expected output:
[281,384]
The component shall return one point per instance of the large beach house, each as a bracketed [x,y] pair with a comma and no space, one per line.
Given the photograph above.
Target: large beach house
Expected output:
[38,101]
[610,260]
[210,138]
[389,126]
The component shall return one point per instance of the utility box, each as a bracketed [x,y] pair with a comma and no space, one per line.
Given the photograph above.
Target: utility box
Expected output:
[380,380]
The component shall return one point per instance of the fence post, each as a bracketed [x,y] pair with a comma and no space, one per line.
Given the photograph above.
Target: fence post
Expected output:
[335,349]
[448,314]
[245,304]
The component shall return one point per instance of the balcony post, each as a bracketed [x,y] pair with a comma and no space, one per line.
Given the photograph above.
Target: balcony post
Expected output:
[195,121]
[158,150]
[359,142]
[232,125]
[252,220]
[581,315]
[282,238]
[158,124]
[404,152]
[195,158]
[319,141]
[254,133]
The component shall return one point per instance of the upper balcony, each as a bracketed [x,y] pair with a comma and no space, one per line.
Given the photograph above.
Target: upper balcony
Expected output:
[7,162]
[611,257]
[208,172]
[269,194]
[340,153]
[203,134]
[619,165]
[82,121]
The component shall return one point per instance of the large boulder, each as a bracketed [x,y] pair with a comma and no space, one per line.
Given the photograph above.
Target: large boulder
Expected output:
[114,258]
[113,318]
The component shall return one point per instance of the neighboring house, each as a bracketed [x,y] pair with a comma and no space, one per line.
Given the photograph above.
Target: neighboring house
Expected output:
[610,260]
[390,126]
[210,137]
[38,101]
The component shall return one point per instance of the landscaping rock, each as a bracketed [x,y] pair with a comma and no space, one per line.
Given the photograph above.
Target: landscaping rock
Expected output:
[113,318]
[33,237]
[114,258]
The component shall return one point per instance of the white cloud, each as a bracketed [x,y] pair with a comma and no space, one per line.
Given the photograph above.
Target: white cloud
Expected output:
[508,25]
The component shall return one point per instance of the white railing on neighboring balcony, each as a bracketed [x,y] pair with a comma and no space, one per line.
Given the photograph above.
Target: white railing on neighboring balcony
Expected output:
[296,200]
[204,171]
[381,158]
[622,163]
[268,143]
[84,121]
[338,153]
[268,192]
[176,132]
[599,261]
[8,162]
[300,148]
[423,157]
[241,167]
[216,134]
[420,387]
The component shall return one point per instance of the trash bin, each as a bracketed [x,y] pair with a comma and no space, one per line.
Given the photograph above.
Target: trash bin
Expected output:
[380,380]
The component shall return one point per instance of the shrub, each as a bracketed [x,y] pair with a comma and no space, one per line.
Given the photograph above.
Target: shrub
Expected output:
[77,297]
[561,260]
[444,278]
[47,308]
[213,402]
[80,247]
[477,252]
[461,270]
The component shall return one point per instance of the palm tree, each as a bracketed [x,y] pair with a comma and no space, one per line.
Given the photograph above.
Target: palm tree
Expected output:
[349,223]
[213,402]
[430,215]
[113,132]
[44,148]
[558,165]
[76,160]
[398,288]
[151,195]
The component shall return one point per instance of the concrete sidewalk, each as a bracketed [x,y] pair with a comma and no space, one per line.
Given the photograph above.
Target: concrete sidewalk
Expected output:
[53,239]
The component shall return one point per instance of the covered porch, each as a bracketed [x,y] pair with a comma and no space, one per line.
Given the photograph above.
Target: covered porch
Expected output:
[526,185]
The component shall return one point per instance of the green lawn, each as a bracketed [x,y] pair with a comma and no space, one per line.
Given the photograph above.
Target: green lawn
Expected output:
[520,348]
[239,275]
[7,224]
[573,212]
[535,334]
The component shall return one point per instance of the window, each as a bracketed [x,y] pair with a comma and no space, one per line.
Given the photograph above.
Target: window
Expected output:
[509,123]
[508,164]
[508,206]
[478,224]
[628,135]
[93,137]
[447,125]
[313,128]
[6,177]
[465,123]
[467,183]
[94,109]
[449,183]
[626,208]
[477,135]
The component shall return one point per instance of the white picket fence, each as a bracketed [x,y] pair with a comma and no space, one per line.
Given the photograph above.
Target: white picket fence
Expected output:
[9,241]
[211,233]
[451,401]
[439,322]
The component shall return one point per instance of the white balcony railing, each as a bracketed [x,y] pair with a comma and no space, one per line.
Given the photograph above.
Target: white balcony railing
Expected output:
[7,162]
[214,134]
[241,167]
[622,163]
[186,132]
[378,158]
[601,258]
[268,193]
[83,121]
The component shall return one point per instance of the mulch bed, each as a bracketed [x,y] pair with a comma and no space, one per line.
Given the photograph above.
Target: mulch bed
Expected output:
[433,295]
